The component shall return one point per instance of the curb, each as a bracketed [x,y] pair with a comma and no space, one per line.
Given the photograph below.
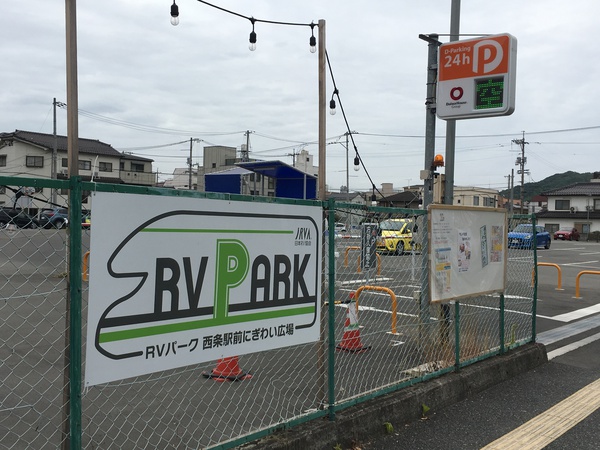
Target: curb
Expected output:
[366,420]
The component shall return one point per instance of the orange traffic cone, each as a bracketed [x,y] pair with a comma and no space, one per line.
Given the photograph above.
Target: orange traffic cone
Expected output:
[228,369]
[351,340]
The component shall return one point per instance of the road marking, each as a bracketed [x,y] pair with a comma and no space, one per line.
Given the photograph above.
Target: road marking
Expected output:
[574,346]
[577,314]
[579,263]
[552,423]
[566,331]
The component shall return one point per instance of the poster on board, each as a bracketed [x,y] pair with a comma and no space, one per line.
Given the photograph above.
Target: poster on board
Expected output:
[182,281]
[467,251]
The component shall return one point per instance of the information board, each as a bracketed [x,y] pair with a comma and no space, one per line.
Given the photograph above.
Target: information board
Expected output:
[467,251]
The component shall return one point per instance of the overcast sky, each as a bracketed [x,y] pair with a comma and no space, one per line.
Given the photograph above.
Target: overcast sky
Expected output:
[145,85]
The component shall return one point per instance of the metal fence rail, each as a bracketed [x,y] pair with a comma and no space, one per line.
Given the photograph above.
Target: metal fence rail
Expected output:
[378,334]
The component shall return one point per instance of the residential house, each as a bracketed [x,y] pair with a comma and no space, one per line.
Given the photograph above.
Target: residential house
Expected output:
[577,205]
[31,155]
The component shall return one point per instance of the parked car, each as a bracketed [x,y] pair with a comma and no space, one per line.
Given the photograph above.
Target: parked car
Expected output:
[86,220]
[18,218]
[567,234]
[396,236]
[522,236]
[340,227]
[54,218]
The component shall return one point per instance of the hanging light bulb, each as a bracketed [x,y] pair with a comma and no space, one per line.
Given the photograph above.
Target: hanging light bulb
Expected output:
[252,45]
[332,107]
[356,164]
[313,40]
[174,14]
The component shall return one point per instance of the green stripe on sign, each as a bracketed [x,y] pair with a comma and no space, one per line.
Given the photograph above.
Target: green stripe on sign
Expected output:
[209,230]
[113,336]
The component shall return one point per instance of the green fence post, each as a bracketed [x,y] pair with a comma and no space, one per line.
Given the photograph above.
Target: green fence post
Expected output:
[502,350]
[331,309]
[74,299]
[535,268]
[457,335]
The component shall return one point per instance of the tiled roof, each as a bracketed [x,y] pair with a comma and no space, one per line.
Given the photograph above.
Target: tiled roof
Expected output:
[579,189]
[579,215]
[89,146]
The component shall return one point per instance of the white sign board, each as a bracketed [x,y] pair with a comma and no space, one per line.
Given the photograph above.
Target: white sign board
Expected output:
[179,281]
[467,251]
[477,77]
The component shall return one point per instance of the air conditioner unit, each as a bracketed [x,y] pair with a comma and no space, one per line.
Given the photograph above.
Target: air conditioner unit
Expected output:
[64,171]
[573,209]
[96,175]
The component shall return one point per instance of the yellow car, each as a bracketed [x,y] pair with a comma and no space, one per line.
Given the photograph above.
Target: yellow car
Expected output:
[396,236]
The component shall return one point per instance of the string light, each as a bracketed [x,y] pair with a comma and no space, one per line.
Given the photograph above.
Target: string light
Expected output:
[313,40]
[356,163]
[174,14]
[332,102]
[252,45]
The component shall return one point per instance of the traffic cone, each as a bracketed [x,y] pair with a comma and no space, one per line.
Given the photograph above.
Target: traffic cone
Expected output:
[351,340]
[228,369]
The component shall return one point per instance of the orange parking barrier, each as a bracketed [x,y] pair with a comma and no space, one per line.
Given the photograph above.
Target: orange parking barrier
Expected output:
[392,296]
[359,269]
[86,264]
[346,254]
[589,272]
[559,284]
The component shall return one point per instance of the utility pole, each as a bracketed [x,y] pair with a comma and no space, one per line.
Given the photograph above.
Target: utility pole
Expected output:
[190,165]
[54,166]
[521,161]
[245,152]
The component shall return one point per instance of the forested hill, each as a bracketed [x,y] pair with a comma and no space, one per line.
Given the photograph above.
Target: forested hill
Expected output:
[556,181]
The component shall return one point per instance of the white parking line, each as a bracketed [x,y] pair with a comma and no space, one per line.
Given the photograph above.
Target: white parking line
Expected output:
[574,346]
[577,314]
[580,263]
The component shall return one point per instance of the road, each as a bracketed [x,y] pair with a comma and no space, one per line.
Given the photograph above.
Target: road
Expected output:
[517,414]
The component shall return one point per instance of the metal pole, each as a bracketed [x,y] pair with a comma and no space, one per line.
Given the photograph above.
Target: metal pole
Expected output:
[430,115]
[451,124]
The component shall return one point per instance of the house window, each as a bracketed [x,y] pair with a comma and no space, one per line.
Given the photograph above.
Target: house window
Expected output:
[489,201]
[475,200]
[105,167]
[121,165]
[562,205]
[64,162]
[2,160]
[85,165]
[552,227]
[271,183]
[214,165]
[597,204]
[135,167]
[34,161]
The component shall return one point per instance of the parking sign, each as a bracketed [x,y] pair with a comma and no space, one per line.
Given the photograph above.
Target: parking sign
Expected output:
[476,77]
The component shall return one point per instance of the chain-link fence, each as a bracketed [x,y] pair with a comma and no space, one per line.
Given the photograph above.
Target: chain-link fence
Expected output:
[378,333]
